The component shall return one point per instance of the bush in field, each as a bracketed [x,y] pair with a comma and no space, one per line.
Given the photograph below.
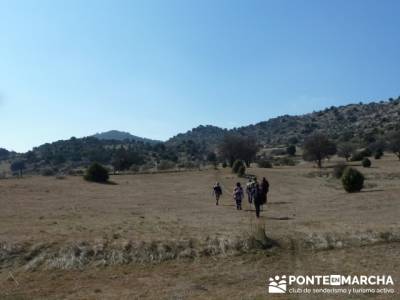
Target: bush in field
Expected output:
[96,173]
[291,150]
[264,164]
[366,163]
[279,151]
[188,165]
[166,165]
[47,172]
[134,168]
[236,166]
[241,171]
[378,154]
[284,161]
[338,170]
[224,164]
[359,155]
[352,180]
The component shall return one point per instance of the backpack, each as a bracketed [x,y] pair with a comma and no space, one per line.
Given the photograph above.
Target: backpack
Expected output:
[238,192]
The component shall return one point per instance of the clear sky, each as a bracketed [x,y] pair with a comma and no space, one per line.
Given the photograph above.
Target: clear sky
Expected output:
[157,68]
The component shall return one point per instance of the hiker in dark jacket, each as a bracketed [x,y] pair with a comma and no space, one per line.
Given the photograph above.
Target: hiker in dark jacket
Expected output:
[238,196]
[264,190]
[258,199]
[217,191]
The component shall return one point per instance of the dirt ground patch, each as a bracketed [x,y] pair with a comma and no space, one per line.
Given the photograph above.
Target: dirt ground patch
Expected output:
[306,215]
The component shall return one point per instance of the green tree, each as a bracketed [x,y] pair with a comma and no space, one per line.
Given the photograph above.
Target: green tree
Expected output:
[394,143]
[345,150]
[212,158]
[318,147]
[18,166]
[235,147]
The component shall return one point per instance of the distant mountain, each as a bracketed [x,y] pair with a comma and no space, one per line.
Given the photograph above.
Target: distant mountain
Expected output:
[360,124]
[121,136]
[208,135]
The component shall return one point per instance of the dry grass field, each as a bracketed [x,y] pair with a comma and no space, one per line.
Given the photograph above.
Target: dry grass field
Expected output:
[162,236]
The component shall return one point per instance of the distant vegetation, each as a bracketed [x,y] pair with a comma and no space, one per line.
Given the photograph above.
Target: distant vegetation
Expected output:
[359,124]
[353,132]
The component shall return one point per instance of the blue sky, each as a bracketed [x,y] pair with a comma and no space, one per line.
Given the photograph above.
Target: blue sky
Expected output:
[157,68]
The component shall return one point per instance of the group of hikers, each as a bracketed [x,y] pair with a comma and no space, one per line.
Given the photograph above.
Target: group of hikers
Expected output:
[256,193]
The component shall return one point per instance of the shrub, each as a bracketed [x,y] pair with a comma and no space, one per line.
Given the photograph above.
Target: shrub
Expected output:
[47,172]
[224,164]
[366,163]
[166,165]
[147,167]
[190,165]
[96,173]
[378,154]
[291,150]
[338,170]
[79,172]
[367,152]
[278,151]
[236,166]
[264,164]
[241,171]
[352,180]
[284,161]
[359,155]
[134,168]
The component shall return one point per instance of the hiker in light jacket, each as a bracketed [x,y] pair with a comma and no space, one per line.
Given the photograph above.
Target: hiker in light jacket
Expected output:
[238,196]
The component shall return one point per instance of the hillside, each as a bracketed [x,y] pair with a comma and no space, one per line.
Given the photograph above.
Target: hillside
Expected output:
[360,123]
[121,136]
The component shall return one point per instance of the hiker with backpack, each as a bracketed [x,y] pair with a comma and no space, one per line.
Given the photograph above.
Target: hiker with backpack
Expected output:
[217,191]
[238,196]
[249,191]
[258,199]
[264,189]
